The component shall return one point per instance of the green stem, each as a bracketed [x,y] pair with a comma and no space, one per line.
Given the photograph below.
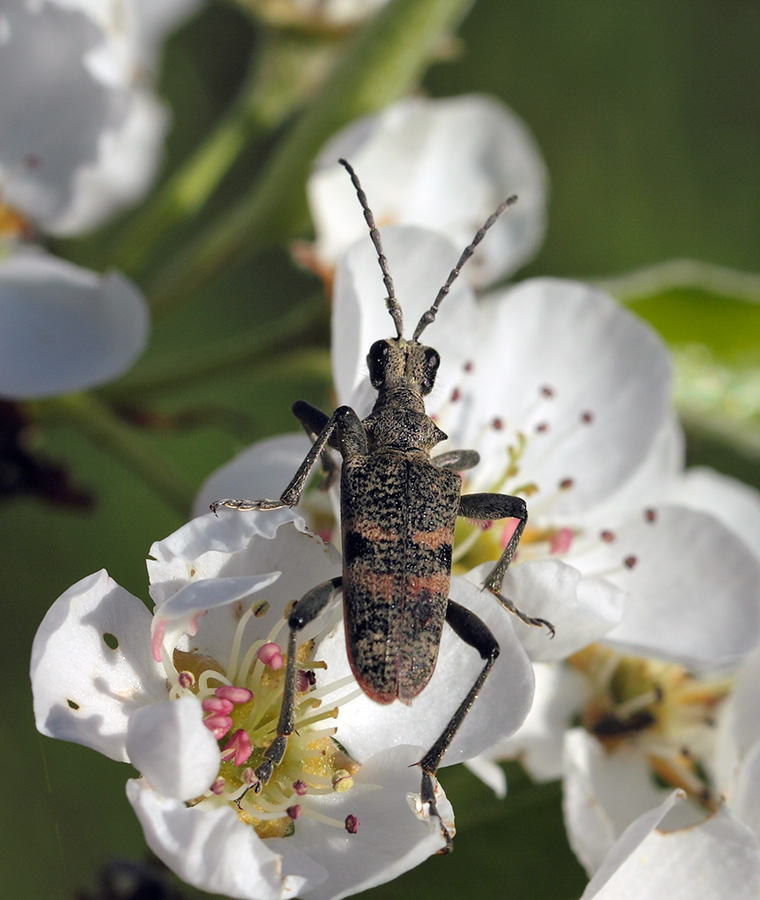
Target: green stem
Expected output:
[282,71]
[247,351]
[98,422]
[385,60]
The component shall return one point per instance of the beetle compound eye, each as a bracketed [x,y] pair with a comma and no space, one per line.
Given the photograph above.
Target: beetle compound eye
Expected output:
[432,361]
[377,362]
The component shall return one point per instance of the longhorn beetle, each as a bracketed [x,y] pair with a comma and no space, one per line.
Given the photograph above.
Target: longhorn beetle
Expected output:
[398,511]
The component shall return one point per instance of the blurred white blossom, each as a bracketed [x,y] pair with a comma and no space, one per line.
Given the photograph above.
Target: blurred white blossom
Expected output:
[443,164]
[64,328]
[82,129]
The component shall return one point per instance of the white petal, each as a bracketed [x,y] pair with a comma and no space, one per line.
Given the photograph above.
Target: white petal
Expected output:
[128,157]
[628,844]
[441,164]
[490,773]
[228,544]
[63,328]
[237,552]
[571,351]
[560,695]
[602,794]
[53,111]
[262,470]
[695,588]
[420,261]
[173,749]
[365,726]
[390,839]
[581,609]
[718,858]
[736,504]
[656,478]
[74,662]
[745,799]
[212,850]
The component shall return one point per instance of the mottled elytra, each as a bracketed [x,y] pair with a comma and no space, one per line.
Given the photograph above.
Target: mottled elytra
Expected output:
[399,506]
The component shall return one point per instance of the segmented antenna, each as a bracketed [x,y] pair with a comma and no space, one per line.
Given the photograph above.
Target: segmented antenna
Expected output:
[430,315]
[394,308]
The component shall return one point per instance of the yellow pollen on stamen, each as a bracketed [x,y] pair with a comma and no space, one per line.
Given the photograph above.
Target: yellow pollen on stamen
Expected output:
[660,708]
[313,762]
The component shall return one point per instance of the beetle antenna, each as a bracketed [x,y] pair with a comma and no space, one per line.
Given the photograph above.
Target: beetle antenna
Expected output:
[394,307]
[430,315]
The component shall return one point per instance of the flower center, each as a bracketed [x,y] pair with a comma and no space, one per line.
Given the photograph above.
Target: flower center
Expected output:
[660,708]
[242,703]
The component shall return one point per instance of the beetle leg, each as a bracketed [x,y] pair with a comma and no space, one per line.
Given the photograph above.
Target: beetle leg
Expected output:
[475,632]
[306,610]
[350,434]
[313,421]
[458,460]
[501,506]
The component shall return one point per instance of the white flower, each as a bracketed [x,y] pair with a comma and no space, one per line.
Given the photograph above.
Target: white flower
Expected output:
[64,328]
[440,164]
[339,814]
[566,397]
[82,132]
[718,858]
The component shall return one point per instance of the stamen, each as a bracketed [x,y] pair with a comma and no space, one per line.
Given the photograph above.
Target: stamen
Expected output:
[239,748]
[234,694]
[561,541]
[271,655]
[218,706]
[218,725]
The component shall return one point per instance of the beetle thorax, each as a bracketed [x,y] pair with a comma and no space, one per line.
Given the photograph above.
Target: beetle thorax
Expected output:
[403,373]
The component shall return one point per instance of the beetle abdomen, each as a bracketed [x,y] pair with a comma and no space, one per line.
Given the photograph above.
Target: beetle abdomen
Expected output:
[397,518]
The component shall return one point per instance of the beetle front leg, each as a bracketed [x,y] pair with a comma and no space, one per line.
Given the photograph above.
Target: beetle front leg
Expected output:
[313,421]
[457,460]
[349,432]
[501,506]
[306,610]
[476,633]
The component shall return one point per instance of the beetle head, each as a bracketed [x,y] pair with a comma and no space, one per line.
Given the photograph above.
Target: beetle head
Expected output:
[397,363]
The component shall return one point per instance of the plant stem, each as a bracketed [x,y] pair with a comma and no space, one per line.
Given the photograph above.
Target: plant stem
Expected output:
[384,60]
[285,67]
[248,350]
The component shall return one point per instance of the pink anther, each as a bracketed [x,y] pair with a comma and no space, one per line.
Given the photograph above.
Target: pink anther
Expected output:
[233,694]
[240,747]
[218,725]
[561,541]
[218,786]
[271,655]
[218,706]
[351,824]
